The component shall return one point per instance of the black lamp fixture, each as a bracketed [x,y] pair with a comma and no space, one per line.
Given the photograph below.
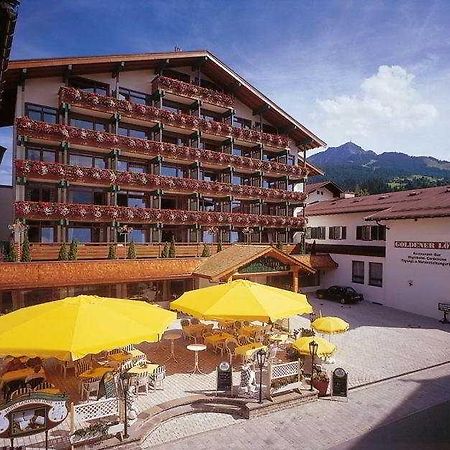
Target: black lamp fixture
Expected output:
[261,357]
[125,380]
[313,346]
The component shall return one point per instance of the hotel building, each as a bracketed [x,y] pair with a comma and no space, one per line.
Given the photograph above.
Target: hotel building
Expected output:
[394,248]
[174,146]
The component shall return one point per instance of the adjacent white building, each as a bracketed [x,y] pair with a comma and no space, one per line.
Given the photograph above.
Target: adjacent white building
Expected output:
[394,248]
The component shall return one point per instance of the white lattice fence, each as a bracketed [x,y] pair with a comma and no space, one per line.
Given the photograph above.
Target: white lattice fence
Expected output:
[284,370]
[94,410]
[283,377]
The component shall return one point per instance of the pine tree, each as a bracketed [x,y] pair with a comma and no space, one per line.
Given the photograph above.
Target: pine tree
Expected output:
[165,250]
[112,251]
[12,255]
[206,251]
[280,246]
[73,251]
[63,252]
[26,254]
[172,248]
[131,251]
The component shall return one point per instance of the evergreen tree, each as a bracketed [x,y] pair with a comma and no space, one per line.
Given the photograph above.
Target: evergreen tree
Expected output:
[280,246]
[112,251]
[172,248]
[73,251]
[26,254]
[131,251]
[12,255]
[206,251]
[63,252]
[165,251]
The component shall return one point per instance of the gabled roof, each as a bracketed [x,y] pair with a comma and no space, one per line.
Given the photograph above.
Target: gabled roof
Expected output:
[228,261]
[332,187]
[412,204]
[317,262]
[210,64]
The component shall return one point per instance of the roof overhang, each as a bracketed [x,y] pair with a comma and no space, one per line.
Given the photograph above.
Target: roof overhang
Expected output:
[210,65]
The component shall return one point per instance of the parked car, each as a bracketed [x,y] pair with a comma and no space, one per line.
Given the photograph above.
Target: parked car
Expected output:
[341,294]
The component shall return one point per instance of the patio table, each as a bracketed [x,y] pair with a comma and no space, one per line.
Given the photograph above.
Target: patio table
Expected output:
[142,371]
[19,374]
[249,330]
[214,339]
[48,391]
[196,348]
[95,373]
[247,350]
[119,357]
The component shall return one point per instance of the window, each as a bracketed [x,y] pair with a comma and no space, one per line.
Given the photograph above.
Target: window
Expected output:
[371,233]
[131,199]
[87,85]
[206,84]
[169,73]
[210,176]
[266,128]
[77,159]
[80,234]
[41,232]
[358,272]
[40,193]
[172,171]
[86,196]
[211,115]
[133,96]
[88,123]
[175,107]
[315,232]
[41,113]
[40,154]
[337,233]
[376,274]
[138,235]
[240,122]
[132,132]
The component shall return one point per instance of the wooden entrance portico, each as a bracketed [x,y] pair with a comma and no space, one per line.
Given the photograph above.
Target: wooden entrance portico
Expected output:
[253,262]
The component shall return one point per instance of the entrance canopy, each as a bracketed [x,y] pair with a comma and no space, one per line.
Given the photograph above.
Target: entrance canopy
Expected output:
[243,261]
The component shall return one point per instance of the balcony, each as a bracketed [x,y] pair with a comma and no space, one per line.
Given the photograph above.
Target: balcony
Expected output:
[98,139]
[192,91]
[147,182]
[109,214]
[110,105]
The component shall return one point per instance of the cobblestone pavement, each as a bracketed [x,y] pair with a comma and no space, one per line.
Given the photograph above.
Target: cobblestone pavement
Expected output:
[381,343]
[326,423]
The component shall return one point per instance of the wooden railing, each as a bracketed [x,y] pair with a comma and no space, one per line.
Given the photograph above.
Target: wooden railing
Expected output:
[100,250]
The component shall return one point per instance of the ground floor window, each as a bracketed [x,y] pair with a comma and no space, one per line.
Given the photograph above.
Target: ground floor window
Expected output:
[358,272]
[309,279]
[376,274]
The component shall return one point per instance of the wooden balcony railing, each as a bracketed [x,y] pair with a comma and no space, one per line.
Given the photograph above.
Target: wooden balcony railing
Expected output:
[148,182]
[98,139]
[136,111]
[189,90]
[109,214]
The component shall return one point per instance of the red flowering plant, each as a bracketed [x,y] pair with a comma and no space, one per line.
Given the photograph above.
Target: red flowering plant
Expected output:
[73,135]
[96,213]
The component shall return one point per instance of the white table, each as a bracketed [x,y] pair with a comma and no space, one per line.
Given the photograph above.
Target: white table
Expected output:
[196,348]
[172,336]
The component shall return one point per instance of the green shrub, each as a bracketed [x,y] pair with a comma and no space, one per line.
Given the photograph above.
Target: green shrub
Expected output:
[12,255]
[73,251]
[206,251]
[165,250]
[112,251]
[219,246]
[26,253]
[131,251]
[63,252]
[172,248]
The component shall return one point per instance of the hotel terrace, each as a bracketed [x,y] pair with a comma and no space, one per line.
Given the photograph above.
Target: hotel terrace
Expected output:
[176,147]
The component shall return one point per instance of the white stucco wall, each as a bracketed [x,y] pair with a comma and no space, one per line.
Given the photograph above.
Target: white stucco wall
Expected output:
[418,286]
[319,195]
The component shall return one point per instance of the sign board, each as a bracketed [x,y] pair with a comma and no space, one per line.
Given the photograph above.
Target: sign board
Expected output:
[224,376]
[32,414]
[339,383]
[265,264]
[445,308]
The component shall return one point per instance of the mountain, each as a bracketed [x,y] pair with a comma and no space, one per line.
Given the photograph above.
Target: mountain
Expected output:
[364,171]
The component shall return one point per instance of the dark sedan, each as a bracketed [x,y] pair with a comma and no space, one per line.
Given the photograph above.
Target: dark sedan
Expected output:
[341,294]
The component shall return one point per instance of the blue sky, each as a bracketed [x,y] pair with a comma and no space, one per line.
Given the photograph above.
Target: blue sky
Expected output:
[374,72]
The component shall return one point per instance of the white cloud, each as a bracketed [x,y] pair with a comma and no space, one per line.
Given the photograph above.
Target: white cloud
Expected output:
[386,104]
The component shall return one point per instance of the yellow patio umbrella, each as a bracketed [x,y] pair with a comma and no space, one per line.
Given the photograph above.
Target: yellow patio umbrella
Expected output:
[242,300]
[324,348]
[74,327]
[330,325]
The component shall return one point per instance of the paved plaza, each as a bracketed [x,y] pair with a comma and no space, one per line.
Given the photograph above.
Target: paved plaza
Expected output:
[382,343]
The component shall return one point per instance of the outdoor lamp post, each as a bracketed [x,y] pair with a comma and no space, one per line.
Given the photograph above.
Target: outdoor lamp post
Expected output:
[261,357]
[19,229]
[125,380]
[313,346]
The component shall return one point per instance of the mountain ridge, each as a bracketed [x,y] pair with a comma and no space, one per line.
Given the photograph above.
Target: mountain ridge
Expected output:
[364,171]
